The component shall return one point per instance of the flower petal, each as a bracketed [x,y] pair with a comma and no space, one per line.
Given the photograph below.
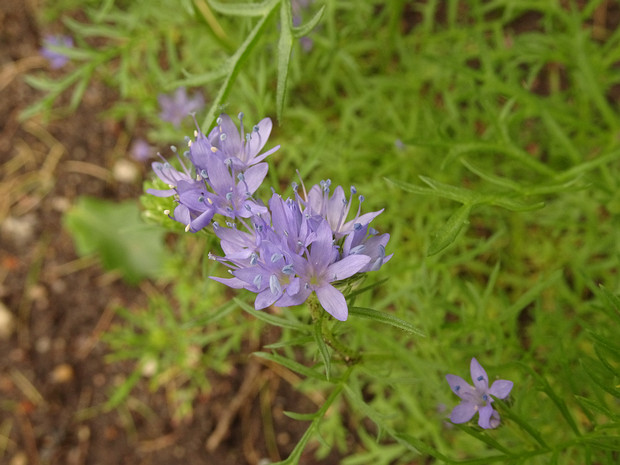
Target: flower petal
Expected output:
[459,386]
[254,176]
[484,419]
[463,412]
[265,299]
[479,376]
[501,388]
[259,138]
[346,267]
[333,302]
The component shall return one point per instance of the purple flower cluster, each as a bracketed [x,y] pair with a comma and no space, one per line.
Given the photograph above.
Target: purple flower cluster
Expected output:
[477,398]
[283,251]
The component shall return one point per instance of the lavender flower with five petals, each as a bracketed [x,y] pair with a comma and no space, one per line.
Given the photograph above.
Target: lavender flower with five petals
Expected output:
[178,105]
[477,398]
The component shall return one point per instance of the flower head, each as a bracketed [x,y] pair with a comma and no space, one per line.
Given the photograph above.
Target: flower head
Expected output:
[178,105]
[477,398]
[283,251]
[56,59]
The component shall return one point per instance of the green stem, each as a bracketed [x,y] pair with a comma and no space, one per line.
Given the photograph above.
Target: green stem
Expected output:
[350,357]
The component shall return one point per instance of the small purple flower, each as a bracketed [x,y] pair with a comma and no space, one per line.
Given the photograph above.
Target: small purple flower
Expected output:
[240,148]
[56,58]
[335,209]
[141,150]
[298,7]
[178,105]
[477,398]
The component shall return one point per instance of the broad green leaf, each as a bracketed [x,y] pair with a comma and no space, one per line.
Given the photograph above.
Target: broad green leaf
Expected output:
[385,318]
[448,233]
[117,235]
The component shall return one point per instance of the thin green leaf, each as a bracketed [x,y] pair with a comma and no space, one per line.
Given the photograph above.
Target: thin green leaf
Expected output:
[272,319]
[305,29]
[292,365]
[79,90]
[293,458]
[447,191]
[197,80]
[512,204]
[220,313]
[234,63]
[407,187]
[243,9]
[94,30]
[122,391]
[323,350]
[557,400]
[483,437]
[596,377]
[612,302]
[285,45]
[41,83]
[301,416]
[290,342]
[385,318]
[419,446]
[596,406]
[492,178]
[448,233]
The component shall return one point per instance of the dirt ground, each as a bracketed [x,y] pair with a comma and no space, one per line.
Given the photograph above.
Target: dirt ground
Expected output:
[54,306]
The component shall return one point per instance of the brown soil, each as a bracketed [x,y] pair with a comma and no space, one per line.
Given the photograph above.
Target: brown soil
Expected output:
[53,377]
